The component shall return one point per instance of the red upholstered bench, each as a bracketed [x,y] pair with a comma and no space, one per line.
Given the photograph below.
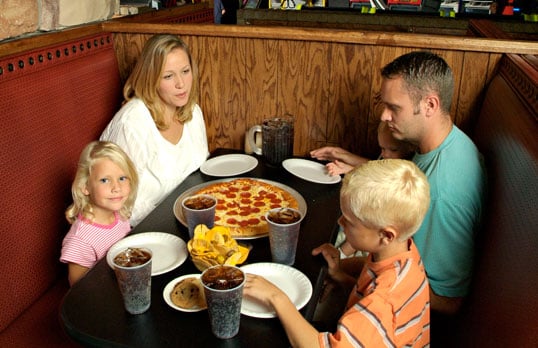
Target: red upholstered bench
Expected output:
[53,101]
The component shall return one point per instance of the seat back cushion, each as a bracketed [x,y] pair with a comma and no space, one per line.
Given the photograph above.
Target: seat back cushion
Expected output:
[53,101]
[501,311]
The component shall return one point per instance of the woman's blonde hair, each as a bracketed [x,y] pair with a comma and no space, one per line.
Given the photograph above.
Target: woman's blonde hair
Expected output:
[92,153]
[389,192]
[145,78]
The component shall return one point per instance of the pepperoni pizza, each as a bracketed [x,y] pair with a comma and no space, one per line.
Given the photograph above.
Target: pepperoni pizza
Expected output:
[243,202]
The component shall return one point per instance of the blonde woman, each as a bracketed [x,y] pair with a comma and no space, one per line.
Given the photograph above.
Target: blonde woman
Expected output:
[104,191]
[160,125]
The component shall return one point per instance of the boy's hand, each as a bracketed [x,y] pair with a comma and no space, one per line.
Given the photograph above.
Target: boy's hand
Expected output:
[260,289]
[332,256]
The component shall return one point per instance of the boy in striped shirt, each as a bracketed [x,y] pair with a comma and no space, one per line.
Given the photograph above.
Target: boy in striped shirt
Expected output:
[383,204]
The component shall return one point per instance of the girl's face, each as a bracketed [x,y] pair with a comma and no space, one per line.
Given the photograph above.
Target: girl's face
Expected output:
[176,80]
[108,188]
[359,236]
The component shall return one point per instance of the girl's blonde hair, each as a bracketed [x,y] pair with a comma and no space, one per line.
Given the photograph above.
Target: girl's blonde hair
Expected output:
[92,153]
[145,78]
[389,192]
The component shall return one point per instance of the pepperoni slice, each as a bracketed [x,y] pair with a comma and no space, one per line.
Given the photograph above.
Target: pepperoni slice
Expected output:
[246,201]
[246,188]
[273,206]
[255,210]
[271,195]
[253,221]
[231,221]
[230,195]
[233,189]
[276,201]
[243,223]
[220,207]
[259,204]
[232,212]
[245,194]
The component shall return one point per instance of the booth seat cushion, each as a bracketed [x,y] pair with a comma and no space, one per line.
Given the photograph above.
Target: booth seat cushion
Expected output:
[53,101]
[39,325]
[501,310]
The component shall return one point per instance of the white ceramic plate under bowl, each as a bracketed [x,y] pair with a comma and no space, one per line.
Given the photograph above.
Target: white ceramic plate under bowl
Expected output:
[294,283]
[229,165]
[310,171]
[168,290]
[169,251]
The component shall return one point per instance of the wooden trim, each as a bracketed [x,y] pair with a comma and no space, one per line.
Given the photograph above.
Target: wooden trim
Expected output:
[20,45]
[417,41]
[523,78]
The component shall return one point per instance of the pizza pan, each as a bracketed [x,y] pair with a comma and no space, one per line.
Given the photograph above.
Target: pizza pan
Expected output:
[178,212]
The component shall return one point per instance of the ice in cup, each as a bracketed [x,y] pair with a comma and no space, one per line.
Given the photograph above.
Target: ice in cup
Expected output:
[223,288]
[199,209]
[284,226]
[133,272]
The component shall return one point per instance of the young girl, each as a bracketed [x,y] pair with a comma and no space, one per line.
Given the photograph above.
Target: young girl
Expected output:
[104,192]
[344,161]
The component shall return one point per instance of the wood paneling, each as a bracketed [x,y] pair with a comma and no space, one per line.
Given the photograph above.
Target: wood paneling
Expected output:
[328,79]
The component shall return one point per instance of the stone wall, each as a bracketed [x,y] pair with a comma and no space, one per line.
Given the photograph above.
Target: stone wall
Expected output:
[23,17]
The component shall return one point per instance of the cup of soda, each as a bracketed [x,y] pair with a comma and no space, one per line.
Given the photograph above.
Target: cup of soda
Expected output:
[223,288]
[132,267]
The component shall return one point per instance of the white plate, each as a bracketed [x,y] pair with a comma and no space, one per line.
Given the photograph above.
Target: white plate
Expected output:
[310,171]
[170,286]
[229,165]
[178,212]
[294,283]
[169,251]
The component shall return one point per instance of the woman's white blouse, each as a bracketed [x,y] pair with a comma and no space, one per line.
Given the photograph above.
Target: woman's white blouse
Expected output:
[161,165]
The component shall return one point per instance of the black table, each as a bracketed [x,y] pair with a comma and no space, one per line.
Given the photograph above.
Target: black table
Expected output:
[92,311]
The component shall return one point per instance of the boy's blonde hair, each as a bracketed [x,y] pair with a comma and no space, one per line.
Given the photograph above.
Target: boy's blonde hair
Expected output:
[92,153]
[389,192]
[146,76]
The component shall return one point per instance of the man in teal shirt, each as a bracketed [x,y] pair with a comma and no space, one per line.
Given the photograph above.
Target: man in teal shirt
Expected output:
[416,93]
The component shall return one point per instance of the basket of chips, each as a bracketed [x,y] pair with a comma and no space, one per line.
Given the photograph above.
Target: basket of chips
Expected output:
[215,246]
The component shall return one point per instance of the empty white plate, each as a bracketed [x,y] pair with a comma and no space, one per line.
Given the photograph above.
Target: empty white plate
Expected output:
[310,171]
[229,165]
[291,281]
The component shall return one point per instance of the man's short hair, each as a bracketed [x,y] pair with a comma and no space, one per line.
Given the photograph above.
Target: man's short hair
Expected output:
[423,72]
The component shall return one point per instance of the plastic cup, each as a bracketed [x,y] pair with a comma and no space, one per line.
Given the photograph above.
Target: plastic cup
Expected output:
[133,272]
[223,288]
[284,226]
[199,209]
